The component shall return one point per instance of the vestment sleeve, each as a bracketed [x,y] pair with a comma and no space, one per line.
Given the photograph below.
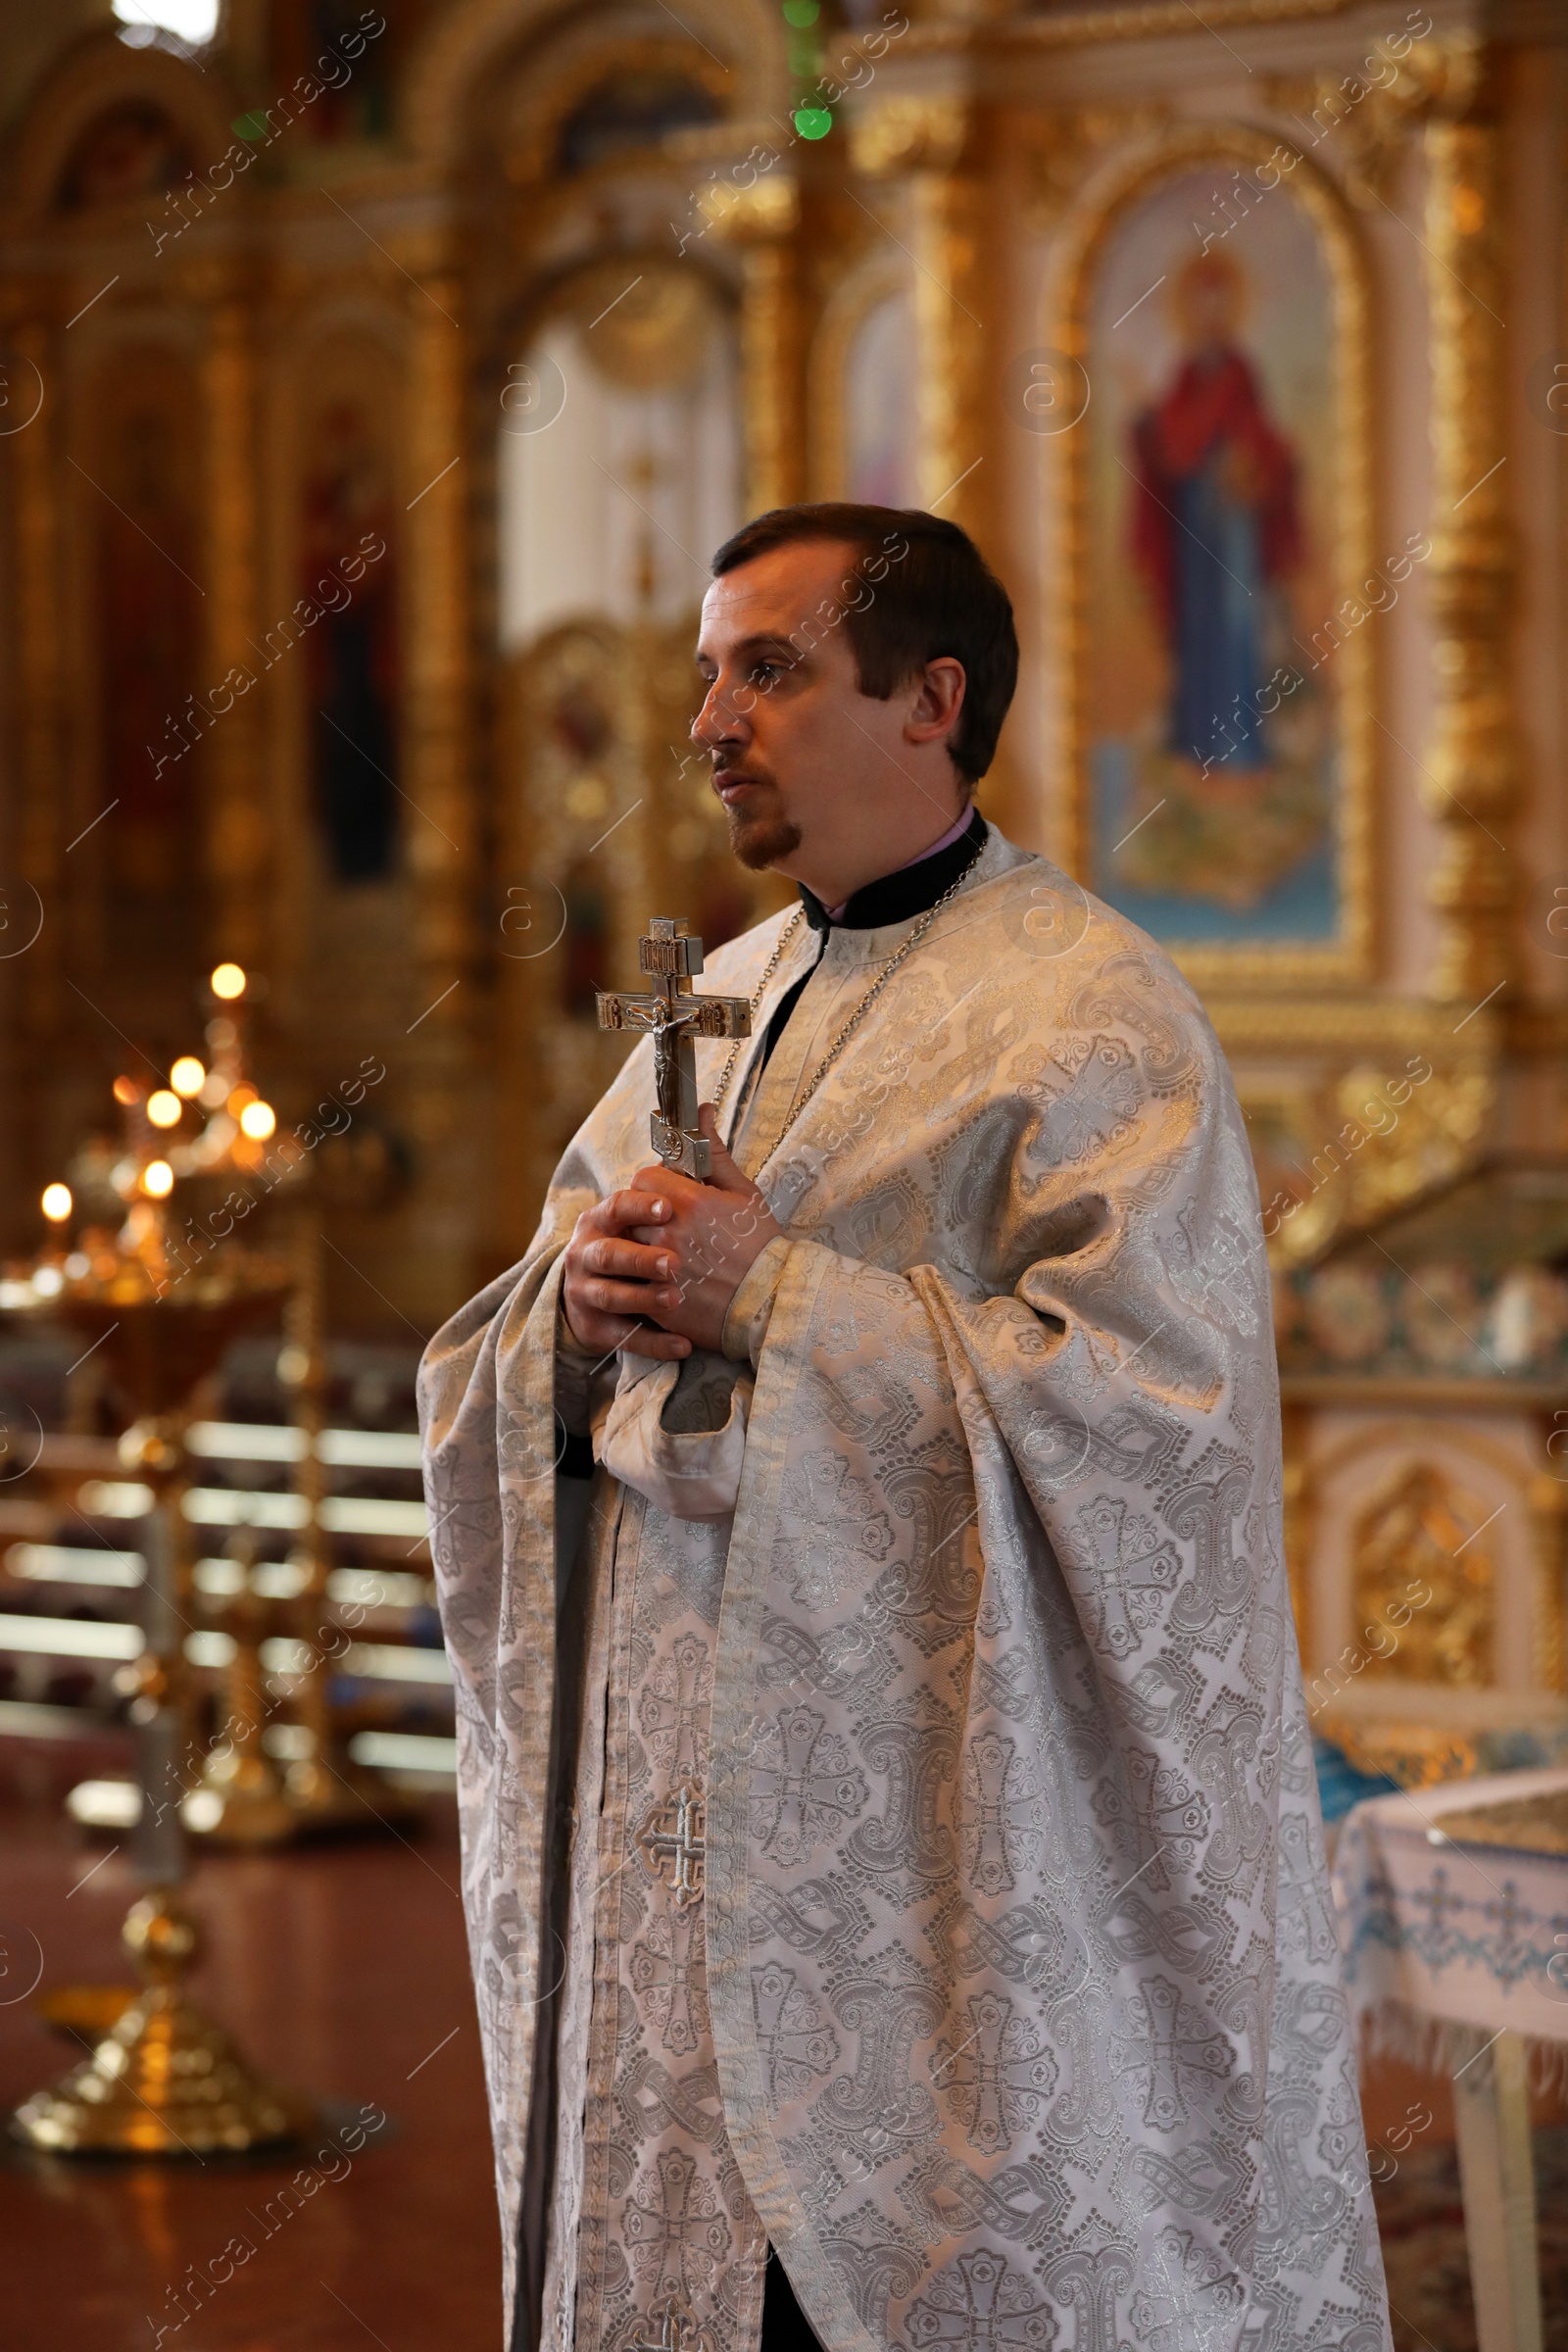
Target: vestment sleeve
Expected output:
[752,1308]
[575,1367]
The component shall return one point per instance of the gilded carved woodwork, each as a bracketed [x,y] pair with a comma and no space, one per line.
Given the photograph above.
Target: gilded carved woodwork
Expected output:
[575,883]
[88,80]
[471,43]
[979,30]
[574,64]
[604,809]
[1060,149]
[1299,1523]
[1471,764]
[439,1098]
[1440,1127]
[1422,1532]
[36,841]
[770,364]
[949,207]
[1548,1498]
[651,335]
[871,279]
[1368,126]
[436,657]
[1345,1148]
[763,220]
[1416,1532]
[1079,166]
[928,139]
[238,819]
[909,131]
[1315,1025]
[567,877]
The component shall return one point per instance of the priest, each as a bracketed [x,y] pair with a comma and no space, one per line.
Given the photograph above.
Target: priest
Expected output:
[891,1850]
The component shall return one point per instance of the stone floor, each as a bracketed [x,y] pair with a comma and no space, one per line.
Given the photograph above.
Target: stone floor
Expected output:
[341,1971]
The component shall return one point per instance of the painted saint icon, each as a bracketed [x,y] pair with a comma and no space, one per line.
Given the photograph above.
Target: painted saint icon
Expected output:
[1215,522]
[1213,737]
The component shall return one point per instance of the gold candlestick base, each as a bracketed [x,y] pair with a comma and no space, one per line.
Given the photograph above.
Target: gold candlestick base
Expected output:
[342,1797]
[238,1801]
[165,2080]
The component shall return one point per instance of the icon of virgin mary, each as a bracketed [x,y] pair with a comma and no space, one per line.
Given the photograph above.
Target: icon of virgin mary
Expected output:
[1216,521]
[1227,798]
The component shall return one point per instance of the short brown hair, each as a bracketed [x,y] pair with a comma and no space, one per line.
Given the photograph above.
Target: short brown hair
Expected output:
[939,598]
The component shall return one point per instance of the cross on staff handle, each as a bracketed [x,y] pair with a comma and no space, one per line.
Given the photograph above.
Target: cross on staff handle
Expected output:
[678,2331]
[674,1013]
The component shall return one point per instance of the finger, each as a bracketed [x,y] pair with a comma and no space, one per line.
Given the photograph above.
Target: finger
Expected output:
[602,1333]
[721,1169]
[630,1298]
[634,1260]
[650,1236]
[645,1340]
[631,1207]
[667,1184]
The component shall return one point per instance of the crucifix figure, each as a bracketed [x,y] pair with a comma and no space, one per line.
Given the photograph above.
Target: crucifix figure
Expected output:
[674,1013]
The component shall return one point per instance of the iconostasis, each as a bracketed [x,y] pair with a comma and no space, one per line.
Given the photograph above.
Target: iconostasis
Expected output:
[380,383]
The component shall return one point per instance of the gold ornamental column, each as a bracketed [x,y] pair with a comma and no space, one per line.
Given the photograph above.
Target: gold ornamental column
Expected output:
[762,220]
[1300,1523]
[1548,1539]
[35,846]
[434,761]
[236,845]
[929,139]
[1472,762]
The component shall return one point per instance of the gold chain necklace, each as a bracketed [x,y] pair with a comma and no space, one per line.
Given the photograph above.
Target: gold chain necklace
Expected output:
[850,1025]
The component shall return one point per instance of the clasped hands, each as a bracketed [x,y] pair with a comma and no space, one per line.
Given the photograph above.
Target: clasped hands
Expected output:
[653,1268]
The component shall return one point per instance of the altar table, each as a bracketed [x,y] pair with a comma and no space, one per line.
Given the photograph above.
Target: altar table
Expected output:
[1452,1905]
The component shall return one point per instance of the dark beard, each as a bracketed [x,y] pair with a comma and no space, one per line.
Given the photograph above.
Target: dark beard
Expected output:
[760,842]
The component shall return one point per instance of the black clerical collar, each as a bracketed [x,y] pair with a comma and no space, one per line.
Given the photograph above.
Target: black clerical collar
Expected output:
[911,891]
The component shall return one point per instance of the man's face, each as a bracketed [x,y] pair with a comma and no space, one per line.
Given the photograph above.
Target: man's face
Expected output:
[804,763]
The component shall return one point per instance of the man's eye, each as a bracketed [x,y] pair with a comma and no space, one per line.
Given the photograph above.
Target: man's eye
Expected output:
[764,671]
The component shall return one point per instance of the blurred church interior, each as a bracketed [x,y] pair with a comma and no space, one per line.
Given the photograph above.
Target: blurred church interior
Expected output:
[375,382]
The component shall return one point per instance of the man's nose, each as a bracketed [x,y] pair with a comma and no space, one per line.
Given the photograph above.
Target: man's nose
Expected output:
[718,721]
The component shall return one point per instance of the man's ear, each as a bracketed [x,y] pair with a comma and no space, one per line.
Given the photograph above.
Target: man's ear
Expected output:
[939,698]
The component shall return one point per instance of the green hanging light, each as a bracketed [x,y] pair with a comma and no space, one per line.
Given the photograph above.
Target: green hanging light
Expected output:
[813,119]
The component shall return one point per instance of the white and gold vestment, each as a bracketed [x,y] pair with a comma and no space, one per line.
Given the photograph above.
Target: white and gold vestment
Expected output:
[910,1842]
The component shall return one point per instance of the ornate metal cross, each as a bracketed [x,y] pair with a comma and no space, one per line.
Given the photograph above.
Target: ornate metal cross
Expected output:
[674,1844]
[674,1013]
